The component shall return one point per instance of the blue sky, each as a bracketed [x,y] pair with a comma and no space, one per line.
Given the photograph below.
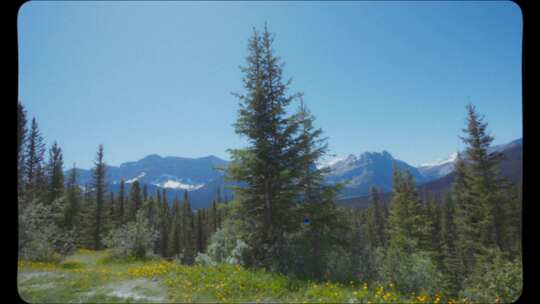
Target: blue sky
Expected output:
[157,77]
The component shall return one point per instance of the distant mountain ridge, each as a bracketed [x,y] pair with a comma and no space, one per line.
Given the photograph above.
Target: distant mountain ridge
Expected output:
[511,167]
[202,178]
[366,170]
[199,176]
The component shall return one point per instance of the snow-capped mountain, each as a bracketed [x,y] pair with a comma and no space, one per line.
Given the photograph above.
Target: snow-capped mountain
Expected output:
[361,172]
[438,168]
[202,178]
[199,176]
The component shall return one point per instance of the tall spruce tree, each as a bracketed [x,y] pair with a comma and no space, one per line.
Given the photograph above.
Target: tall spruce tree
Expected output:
[121,215]
[145,192]
[55,172]
[100,186]
[377,219]
[164,224]
[175,229]
[188,244]
[135,200]
[73,196]
[452,263]
[478,194]
[265,166]
[22,131]
[34,157]
[407,219]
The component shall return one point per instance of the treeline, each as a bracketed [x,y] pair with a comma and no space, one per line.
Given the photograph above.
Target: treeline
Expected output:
[56,215]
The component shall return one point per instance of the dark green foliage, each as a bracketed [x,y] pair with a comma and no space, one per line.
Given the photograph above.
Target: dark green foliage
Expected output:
[34,169]
[175,240]
[377,220]
[73,197]
[55,169]
[99,185]
[121,215]
[135,200]
[481,196]
[268,165]
[145,192]
[22,131]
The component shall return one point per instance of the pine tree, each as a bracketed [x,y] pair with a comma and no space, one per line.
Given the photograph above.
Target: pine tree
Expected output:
[316,198]
[55,173]
[200,235]
[478,193]
[407,220]
[99,184]
[266,166]
[376,220]
[135,200]
[21,144]
[71,218]
[214,217]
[188,243]
[145,192]
[34,158]
[175,229]
[453,267]
[164,224]
[121,216]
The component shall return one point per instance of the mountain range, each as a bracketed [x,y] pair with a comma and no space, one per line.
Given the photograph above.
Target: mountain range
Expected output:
[202,177]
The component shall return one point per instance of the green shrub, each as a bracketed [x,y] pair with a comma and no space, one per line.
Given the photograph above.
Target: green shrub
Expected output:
[495,277]
[133,239]
[410,271]
[225,247]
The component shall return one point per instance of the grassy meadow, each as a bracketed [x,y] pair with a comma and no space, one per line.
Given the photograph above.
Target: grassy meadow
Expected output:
[92,276]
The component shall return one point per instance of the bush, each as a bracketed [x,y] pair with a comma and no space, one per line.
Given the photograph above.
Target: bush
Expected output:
[39,236]
[410,271]
[495,277]
[225,247]
[133,239]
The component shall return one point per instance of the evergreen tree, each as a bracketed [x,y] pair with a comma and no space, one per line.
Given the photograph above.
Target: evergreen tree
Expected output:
[56,172]
[478,193]
[135,200]
[34,157]
[188,243]
[121,216]
[175,229]
[99,184]
[453,268]
[323,228]
[407,220]
[265,166]
[376,221]
[145,192]
[21,144]
[200,235]
[71,218]
[214,217]
[164,224]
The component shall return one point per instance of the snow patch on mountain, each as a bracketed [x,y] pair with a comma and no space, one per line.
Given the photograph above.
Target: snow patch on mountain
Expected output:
[440,162]
[173,184]
[329,162]
[142,174]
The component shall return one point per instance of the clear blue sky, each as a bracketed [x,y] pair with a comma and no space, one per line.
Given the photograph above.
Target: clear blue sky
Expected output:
[156,77]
